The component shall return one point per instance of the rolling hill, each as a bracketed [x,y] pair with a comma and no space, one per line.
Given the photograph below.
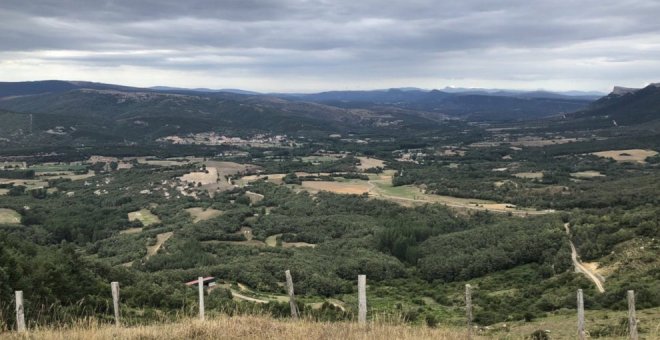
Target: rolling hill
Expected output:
[626,106]
[71,111]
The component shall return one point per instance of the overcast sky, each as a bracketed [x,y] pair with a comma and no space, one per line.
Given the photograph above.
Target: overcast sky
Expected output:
[297,45]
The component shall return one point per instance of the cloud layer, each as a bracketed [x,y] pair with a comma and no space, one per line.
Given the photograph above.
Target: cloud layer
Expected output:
[299,45]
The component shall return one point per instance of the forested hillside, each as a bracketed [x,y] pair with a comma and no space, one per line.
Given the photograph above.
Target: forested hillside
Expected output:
[156,189]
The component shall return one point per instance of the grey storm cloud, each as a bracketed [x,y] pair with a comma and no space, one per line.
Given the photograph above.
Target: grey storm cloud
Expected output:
[336,44]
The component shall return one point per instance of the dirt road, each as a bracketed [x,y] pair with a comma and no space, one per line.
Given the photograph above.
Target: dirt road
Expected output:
[160,239]
[580,267]
[246,298]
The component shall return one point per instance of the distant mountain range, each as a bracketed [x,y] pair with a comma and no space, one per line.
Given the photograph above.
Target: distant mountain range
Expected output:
[473,105]
[77,112]
[87,112]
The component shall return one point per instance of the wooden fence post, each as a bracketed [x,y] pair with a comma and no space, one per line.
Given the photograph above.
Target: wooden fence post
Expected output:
[20,312]
[201,298]
[632,317]
[292,300]
[468,309]
[115,300]
[580,308]
[362,299]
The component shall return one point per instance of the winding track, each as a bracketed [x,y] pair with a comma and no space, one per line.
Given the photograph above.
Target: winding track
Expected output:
[580,267]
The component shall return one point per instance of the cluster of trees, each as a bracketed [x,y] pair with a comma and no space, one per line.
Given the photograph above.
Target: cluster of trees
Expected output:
[427,250]
[17,173]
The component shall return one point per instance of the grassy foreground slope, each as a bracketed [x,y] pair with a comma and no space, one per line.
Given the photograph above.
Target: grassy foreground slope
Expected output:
[244,327]
[604,325]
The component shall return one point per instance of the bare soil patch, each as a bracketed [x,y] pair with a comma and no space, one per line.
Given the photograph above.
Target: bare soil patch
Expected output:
[160,240]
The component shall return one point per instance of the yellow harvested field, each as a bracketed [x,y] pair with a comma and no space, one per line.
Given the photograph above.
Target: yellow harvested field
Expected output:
[145,216]
[201,214]
[368,163]
[273,178]
[130,231]
[3,191]
[529,175]
[380,187]
[28,183]
[306,174]
[630,155]
[356,188]
[586,174]
[9,216]
[210,176]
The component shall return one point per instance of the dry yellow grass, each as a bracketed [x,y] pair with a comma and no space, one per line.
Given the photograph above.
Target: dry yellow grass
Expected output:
[586,174]
[160,240]
[9,216]
[145,216]
[242,327]
[368,163]
[529,175]
[273,178]
[356,188]
[210,176]
[201,214]
[630,155]
[254,197]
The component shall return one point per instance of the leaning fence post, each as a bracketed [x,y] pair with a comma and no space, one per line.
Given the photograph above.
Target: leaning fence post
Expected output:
[292,300]
[632,318]
[468,309]
[201,298]
[20,312]
[115,300]
[580,307]
[362,299]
